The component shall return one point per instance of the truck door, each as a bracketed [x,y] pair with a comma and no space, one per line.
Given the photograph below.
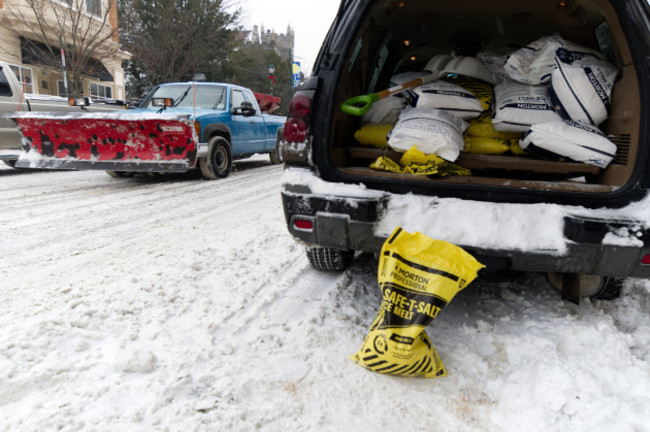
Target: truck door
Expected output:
[258,127]
[9,100]
[241,126]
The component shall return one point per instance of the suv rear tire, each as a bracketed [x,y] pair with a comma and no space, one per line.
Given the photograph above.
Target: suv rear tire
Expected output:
[591,286]
[610,290]
[329,259]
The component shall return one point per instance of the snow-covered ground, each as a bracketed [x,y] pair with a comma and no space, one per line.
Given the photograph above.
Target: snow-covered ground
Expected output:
[176,304]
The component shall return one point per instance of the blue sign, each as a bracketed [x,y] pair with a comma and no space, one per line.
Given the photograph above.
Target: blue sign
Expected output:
[295,73]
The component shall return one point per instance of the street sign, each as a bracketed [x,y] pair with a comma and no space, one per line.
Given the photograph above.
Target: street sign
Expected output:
[295,73]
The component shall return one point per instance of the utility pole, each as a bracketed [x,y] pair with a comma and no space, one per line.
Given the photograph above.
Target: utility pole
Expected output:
[271,77]
[290,75]
[65,77]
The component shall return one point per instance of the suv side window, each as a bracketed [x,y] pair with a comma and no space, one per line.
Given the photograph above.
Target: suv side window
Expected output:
[5,88]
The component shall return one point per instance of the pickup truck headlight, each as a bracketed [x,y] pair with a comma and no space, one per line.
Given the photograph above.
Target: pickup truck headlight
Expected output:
[197,128]
[163,102]
[80,101]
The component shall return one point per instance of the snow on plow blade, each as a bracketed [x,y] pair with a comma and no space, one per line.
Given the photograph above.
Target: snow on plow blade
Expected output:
[107,141]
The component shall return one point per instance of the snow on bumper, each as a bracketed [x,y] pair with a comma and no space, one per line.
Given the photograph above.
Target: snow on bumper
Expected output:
[527,237]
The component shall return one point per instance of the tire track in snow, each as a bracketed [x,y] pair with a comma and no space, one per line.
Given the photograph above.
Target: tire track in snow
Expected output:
[91,225]
[294,295]
[115,190]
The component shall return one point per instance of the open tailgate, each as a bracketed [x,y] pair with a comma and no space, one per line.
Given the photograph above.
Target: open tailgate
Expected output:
[107,141]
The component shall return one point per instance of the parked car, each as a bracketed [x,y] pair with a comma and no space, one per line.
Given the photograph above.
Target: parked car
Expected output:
[13,99]
[336,204]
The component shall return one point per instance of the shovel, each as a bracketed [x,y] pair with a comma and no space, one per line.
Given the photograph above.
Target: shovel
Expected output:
[359,105]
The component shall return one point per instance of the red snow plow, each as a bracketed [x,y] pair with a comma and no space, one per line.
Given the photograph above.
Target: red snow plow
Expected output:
[108,141]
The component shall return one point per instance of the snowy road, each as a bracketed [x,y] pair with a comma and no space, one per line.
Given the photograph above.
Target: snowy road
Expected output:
[172,303]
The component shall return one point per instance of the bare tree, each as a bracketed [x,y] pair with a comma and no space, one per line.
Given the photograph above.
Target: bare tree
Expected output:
[83,28]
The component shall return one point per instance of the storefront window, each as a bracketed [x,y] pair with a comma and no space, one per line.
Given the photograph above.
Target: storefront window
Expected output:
[98,91]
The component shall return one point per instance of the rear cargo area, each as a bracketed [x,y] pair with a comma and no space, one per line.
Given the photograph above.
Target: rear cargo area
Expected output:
[402,37]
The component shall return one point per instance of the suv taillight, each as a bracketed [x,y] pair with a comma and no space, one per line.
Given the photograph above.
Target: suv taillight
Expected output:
[296,127]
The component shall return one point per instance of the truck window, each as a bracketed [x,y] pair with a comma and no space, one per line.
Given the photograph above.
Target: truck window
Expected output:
[237,98]
[184,96]
[250,97]
[5,88]
[209,97]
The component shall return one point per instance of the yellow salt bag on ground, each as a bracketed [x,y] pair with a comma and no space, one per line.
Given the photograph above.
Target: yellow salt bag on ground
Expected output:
[418,277]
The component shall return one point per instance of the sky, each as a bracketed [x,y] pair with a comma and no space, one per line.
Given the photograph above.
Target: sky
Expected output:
[310,21]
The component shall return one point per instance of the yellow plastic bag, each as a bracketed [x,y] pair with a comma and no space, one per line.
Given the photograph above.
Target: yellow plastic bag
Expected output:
[516,148]
[413,155]
[413,161]
[373,135]
[418,277]
[386,164]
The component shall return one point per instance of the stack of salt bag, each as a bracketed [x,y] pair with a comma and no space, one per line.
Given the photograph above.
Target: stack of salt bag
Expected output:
[481,137]
[380,119]
[438,120]
[573,81]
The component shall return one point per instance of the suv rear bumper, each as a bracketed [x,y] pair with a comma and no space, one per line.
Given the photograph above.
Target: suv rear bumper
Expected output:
[351,222]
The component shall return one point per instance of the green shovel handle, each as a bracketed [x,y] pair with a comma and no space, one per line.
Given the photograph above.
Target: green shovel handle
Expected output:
[359,105]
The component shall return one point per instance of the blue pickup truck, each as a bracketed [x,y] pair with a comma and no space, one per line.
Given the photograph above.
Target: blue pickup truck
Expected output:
[177,127]
[230,119]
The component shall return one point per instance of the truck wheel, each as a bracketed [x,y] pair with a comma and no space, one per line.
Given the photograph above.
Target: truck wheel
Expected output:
[274,156]
[119,174]
[329,259]
[218,162]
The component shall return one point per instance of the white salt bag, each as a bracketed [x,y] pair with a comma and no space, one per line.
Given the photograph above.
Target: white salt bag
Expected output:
[518,106]
[449,97]
[581,90]
[495,62]
[437,64]
[569,141]
[403,77]
[534,63]
[385,111]
[470,67]
[432,131]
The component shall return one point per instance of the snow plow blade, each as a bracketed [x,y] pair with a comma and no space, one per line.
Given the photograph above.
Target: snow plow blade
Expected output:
[107,141]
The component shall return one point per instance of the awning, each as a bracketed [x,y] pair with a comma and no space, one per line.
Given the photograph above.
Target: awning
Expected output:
[37,53]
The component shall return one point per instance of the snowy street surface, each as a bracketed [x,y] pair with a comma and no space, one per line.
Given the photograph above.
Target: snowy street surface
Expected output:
[171,303]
